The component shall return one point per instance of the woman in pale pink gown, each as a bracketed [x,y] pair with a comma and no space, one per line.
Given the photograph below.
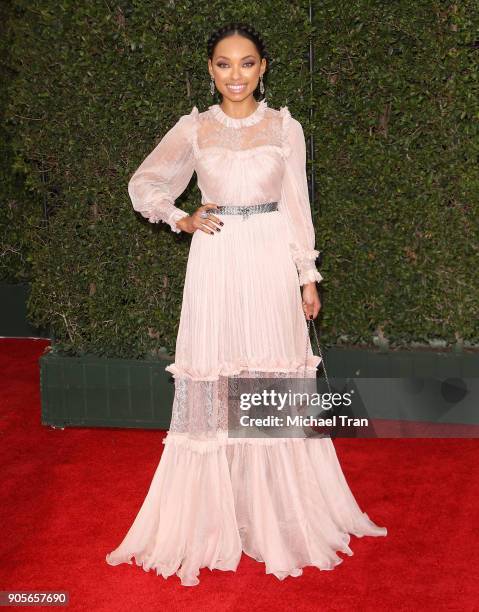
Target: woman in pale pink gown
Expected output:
[283,501]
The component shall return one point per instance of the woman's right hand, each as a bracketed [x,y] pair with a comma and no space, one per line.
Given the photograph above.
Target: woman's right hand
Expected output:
[193,222]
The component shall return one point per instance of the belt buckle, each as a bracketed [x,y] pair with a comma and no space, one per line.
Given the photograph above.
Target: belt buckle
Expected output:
[246,213]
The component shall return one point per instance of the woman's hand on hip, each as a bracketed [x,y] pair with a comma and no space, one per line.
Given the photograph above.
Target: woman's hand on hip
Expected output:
[311,301]
[193,222]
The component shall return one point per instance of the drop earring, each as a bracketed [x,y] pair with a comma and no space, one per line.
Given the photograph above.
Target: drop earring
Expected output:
[212,86]
[261,85]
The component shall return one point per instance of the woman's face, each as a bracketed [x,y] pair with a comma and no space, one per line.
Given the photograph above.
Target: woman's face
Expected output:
[236,67]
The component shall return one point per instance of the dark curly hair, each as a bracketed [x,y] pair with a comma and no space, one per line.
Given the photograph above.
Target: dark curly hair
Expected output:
[243,29]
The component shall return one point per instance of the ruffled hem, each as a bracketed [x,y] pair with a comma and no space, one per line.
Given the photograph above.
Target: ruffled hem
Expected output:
[286,504]
[209,443]
[309,276]
[296,369]
[192,579]
[167,570]
[175,216]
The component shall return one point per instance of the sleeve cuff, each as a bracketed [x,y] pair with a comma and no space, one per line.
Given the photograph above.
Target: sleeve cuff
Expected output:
[305,261]
[309,276]
[175,216]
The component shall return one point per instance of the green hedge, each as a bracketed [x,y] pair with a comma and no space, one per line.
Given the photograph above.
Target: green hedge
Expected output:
[395,158]
[21,212]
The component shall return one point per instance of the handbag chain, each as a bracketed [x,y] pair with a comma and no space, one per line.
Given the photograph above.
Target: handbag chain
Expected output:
[311,322]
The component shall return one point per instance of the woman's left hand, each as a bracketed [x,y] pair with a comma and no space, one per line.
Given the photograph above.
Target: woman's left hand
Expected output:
[311,301]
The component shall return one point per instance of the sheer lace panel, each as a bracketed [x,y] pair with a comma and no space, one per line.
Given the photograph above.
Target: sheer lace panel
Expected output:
[214,133]
[200,407]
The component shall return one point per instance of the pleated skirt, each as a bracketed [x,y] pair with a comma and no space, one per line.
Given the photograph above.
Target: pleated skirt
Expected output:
[282,501]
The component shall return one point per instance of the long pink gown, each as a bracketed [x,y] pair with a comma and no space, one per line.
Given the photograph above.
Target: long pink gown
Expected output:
[283,501]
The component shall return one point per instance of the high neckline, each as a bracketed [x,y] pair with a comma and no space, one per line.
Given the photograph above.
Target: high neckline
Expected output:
[219,114]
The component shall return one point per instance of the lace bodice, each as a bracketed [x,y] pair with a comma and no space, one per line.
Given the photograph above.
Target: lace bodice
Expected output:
[242,161]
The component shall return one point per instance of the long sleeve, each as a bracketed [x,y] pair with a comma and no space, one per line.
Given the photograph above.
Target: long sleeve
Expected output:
[165,173]
[295,203]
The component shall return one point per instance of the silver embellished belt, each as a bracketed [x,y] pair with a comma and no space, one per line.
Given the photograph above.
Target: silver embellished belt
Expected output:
[246,211]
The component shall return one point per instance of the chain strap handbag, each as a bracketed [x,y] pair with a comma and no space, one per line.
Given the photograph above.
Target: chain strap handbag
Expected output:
[308,327]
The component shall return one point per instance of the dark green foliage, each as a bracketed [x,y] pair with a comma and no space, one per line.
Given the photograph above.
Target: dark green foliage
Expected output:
[93,86]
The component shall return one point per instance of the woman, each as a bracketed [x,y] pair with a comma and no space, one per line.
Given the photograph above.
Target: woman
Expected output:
[283,501]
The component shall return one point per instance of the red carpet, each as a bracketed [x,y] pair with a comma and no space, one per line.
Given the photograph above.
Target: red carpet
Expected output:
[69,496]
